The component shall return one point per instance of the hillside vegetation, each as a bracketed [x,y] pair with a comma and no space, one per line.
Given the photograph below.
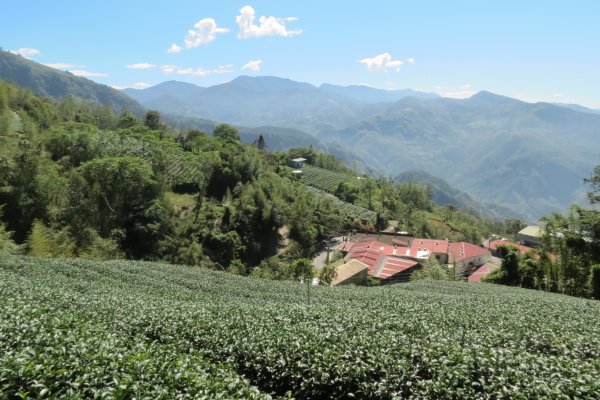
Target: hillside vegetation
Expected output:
[50,82]
[132,329]
[79,181]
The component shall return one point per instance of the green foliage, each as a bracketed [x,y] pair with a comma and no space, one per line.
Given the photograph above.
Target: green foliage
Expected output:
[431,270]
[152,120]
[44,242]
[150,330]
[595,281]
[327,274]
[227,133]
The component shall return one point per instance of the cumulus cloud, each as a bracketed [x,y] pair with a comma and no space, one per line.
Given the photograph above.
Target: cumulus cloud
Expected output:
[174,49]
[253,66]
[267,26]
[204,31]
[85,74]
[26,52]
[169,69]
[137,85]
[411,60]
[141,66]
[382,62]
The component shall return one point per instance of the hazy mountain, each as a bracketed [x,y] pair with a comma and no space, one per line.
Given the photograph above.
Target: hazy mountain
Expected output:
[258,101]
[530,158]
[444,194]
[367,94]
[577,107]
[50,82]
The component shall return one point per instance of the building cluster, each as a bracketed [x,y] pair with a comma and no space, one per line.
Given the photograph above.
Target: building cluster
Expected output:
[391,260]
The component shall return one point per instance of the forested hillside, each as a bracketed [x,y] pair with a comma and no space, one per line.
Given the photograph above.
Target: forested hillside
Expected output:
[79,181]
[50,82]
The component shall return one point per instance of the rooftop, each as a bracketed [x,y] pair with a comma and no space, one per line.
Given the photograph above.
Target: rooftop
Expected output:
[463,250]
[482,272]
[533,231]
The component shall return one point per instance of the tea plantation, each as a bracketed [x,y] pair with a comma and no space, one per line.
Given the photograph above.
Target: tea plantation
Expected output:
[124,330]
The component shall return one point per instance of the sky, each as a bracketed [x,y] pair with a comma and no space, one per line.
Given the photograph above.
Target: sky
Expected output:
[531,50]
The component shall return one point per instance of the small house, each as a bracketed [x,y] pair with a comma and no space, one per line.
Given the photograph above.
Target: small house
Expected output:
[530,236]
[297,163]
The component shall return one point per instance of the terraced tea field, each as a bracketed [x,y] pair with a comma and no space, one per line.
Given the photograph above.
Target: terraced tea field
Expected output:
[124,330]
[323,179]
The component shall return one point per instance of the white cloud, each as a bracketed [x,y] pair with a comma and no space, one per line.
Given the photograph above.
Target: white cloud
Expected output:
[168,69]
[86,74]
[141,66]
[223,69]
[411,61]
[204,31]
[382,62]
[253,66]
[26,52]
[267,26]
[557,95]
[137,85]
[174,49]
[63,66]
[464,92]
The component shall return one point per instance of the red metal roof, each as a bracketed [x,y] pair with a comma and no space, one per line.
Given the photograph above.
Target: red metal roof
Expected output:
[462,250]
[395,265]
[482,272]
[522,249]
[432,245]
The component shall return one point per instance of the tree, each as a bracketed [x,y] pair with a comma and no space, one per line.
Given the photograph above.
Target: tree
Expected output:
[226,132]
[594,181]
[595,281]
[260,143]
[152,120]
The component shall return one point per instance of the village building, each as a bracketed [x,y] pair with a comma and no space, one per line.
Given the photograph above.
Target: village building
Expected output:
[483,271]
[495,244]
[466,257]
[530,236]
[352,272]
[388,263]
[423,249]
[297,163]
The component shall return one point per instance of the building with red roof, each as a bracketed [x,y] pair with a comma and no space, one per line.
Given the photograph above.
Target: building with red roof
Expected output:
[482,272]
[494,244]
[467,256]
[385,262]
[423,249]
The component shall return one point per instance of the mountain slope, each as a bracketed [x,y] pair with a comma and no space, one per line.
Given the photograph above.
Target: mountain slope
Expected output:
[56,84]
[444,194]
[528,157]
[367,94]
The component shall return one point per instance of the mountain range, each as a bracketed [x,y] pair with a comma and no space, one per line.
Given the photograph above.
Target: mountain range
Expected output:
[529,158]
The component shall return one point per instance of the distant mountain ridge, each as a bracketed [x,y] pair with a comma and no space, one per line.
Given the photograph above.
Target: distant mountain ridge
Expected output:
[529,158]
[56,84]
[525,157]
[273,101]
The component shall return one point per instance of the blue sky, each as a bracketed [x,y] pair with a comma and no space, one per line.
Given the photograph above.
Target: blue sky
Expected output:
[532,50]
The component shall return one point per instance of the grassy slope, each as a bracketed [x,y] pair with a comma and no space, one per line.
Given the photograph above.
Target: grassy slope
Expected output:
[135,329]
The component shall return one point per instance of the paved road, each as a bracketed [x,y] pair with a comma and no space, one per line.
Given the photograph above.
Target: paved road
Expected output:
[320,258]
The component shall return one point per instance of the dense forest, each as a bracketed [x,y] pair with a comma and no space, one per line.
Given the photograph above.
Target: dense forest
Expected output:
[76,180]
